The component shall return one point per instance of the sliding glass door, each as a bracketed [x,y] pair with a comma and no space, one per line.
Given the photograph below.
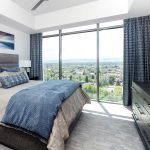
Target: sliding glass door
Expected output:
[79,60]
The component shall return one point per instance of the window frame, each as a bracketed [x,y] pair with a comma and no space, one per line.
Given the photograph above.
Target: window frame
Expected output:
[97,29]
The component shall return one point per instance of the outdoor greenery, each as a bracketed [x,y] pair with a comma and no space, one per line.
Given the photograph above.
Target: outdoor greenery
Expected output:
[110,77]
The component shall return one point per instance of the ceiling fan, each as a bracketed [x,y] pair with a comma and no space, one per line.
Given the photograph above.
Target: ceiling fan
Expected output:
[38,4]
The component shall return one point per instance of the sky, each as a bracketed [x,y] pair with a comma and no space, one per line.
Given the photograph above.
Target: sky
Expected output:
[83,46]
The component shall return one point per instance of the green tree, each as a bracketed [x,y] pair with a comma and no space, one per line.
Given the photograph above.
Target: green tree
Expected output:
[84,72]
[111,80]
[103,93]
[103,81]
[86,79]
[70,77]
[93,77]
[49,74]
[118,90]
[118,83]
[79,78]
[89,88]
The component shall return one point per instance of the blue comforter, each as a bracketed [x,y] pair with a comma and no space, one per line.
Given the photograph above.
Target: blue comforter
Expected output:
[34,109]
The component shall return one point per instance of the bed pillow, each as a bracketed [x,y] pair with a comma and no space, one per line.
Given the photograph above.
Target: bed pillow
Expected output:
[12,69]
[22,70]
[3,74]
[24,77]
[11,81]
[6,82]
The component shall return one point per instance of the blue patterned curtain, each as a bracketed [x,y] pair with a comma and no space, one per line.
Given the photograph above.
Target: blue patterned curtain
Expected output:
[36,56]
[136,54]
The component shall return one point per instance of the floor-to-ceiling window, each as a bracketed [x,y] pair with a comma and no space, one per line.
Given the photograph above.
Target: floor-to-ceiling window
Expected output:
[79,60]
[51,57]
[72,54]
[111,65]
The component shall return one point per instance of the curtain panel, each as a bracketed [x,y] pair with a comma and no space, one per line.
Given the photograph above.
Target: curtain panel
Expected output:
[136,54]
[36,56]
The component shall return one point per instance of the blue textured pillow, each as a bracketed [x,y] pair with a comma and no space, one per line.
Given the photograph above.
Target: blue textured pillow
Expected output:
[13,69]
[24,77]
[6,82]
[10,81]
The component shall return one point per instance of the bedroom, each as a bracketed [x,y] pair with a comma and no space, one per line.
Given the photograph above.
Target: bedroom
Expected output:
[85,54]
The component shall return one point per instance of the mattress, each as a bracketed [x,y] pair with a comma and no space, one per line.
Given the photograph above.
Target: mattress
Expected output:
[66,115]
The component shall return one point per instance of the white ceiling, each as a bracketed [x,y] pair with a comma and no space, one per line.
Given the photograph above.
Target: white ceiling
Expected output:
[50,5]
[139,8]
[70,13]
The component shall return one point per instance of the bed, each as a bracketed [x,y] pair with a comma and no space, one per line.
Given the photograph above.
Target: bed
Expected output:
[65,120]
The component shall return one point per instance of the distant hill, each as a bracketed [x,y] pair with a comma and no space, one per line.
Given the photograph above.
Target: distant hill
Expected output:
[86,60]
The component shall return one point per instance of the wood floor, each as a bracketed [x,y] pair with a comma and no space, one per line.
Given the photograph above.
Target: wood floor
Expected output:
[104,126]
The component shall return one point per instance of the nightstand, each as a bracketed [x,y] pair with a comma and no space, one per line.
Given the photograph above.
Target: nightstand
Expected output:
[34,78]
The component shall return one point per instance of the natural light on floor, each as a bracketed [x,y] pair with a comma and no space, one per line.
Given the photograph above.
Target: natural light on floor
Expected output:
[115,111]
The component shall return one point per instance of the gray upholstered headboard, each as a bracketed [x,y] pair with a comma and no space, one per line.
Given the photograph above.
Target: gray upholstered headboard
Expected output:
[9,60]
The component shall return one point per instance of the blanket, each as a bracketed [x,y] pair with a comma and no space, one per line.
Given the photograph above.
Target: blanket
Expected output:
[34,109]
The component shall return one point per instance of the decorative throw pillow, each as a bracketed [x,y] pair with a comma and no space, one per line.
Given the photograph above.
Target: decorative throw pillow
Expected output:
[10,81]
[3,74]
[24,77]
[6,82]
[22,70]
[17,79]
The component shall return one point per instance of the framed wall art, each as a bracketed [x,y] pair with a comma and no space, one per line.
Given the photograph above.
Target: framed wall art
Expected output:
[6,41]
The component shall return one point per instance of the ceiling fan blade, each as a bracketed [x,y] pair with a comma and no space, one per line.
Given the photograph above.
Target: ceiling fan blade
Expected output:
[37,5]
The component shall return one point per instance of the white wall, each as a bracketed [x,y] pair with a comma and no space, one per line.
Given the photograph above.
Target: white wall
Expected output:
[22,42]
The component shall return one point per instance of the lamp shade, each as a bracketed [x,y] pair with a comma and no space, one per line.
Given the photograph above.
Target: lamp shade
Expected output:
[25,63]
